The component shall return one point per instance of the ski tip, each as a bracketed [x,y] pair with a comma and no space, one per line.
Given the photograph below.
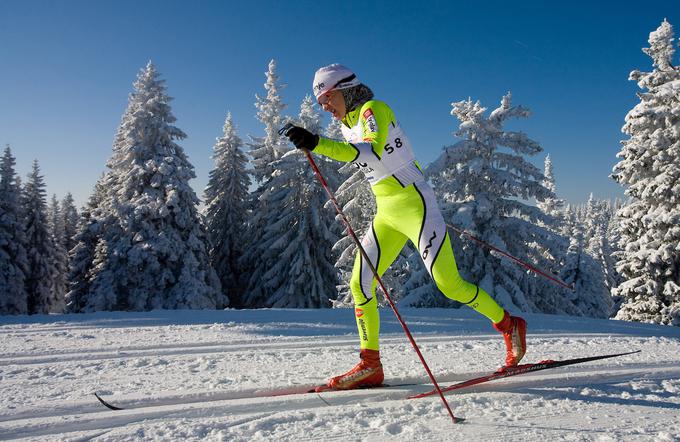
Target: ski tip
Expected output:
[624,354]
[106,404]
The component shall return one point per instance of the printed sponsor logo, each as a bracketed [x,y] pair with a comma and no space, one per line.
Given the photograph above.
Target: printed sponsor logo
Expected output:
[363,167]
[429,245]
[371,123]
[319,86]
[359,312]
[364,333]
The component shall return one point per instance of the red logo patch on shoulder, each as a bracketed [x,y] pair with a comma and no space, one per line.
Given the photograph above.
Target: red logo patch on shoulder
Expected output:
[368,113]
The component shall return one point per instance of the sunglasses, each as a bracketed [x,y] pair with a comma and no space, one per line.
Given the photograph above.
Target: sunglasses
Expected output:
[325,98]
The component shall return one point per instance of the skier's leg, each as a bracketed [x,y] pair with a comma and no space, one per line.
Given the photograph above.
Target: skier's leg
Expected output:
[382,245]
[434,246]
[444,271]
[426,228]
[513,328]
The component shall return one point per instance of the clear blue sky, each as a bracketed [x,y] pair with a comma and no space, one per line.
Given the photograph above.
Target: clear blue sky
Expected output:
[67,67]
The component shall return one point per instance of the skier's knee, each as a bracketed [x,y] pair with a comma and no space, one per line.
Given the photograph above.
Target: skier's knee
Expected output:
[456,288]
[357,291]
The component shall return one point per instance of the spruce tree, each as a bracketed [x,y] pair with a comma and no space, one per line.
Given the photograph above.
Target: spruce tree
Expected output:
[13,258]
[70,219]
[612,277]
[649,167]
[551,205]
[264,151]
[485,183]
[39,246]
[60,256]
[296,266]
[226,213]
[153,254]
[590,296]
[81,256]
[598,230]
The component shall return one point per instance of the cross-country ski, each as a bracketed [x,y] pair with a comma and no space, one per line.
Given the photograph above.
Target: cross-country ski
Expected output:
[265,393]
[323,388]
[506,372]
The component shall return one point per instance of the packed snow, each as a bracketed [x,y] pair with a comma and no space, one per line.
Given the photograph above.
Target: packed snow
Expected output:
[207,375]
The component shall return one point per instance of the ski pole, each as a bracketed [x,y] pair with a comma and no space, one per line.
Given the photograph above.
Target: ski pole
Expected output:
[322,180]
[517,260]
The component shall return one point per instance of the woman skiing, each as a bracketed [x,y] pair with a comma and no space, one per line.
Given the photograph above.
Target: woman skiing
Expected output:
[406,210]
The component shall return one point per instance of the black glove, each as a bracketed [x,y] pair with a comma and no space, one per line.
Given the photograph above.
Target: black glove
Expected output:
[302,138]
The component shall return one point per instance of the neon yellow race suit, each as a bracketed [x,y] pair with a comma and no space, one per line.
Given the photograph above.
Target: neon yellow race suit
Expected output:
[406,209]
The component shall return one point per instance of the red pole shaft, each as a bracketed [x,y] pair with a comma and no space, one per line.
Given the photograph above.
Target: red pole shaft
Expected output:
[517,260]
[382,286]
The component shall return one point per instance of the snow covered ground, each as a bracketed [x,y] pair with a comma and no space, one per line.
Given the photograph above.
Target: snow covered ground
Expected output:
[200,375]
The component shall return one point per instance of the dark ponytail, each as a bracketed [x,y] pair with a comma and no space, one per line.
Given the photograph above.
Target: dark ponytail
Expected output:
[356,96]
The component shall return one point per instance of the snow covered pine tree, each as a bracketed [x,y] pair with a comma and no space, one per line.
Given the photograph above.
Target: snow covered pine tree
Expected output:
[71,221]
[60,257]
[41,272]
[484,181]
[650,168]
[264,151]
[296,266]
[226,212]
[153,254]
[13,258]
[82,253]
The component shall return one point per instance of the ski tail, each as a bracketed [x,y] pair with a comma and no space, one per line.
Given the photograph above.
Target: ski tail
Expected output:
[521,369]
[106,404]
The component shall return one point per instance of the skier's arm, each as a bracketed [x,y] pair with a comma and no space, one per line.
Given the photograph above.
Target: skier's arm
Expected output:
[375,118]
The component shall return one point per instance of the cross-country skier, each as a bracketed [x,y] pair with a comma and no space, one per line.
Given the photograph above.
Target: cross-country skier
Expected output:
[406,209]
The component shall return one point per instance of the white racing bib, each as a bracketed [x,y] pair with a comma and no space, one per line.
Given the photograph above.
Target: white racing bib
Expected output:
[397,157]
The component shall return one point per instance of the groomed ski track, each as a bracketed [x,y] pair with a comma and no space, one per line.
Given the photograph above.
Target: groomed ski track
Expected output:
[206,376]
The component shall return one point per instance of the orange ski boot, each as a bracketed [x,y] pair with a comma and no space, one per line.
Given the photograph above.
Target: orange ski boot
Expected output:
[367,373]
[514,330]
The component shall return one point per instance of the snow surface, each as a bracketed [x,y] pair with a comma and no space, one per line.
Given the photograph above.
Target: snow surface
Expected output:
[197,375]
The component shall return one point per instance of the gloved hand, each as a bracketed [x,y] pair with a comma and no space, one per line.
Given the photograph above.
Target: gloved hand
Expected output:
[302,138]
